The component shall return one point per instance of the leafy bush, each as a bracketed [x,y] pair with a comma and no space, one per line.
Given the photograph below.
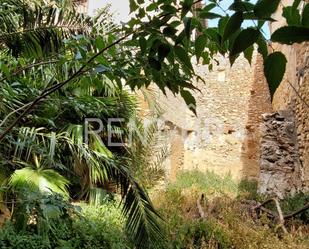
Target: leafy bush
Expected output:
[47,221]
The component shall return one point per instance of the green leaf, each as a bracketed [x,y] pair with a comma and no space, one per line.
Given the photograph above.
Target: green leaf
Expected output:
[141,13]
[265,8]
[291,15]
[209,7]
[189,99]
[209,15]
[169,9]
[152,7]
[183,57]
[99,42]
[187,4]
[5,70]
[233,58]
[163,51]
[252,16]
[143,44]
[133,6]
[296,3]
[241,6]
[213,35]
[232,25]
[262,47]
[290,34]
[169,31]
[200,45]
[222,24]
[274,69]
[155,64]
[248,54]
[187,23]
[305,16]
[245,39]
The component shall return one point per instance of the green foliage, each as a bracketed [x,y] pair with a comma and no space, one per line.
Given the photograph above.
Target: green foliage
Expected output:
[274,70]
[189,99]
[292,15]
[47,147]
[233,24]
[245,39]
[177,205]
[291,34]
[200,45]
[198,234]
[45,180]
[291,204]
[41,214]
[248,190]
[146,155]
[264,8]
[59,67]
[305,16]
[61,225]
[31,34]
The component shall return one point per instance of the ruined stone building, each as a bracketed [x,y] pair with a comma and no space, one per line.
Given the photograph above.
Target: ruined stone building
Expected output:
[238,129]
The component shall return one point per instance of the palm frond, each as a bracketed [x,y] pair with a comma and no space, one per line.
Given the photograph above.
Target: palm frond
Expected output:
[45,180]
[36,30]
[143,221]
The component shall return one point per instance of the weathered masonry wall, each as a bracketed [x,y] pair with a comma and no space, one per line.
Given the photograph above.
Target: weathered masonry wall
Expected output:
[224,137]
[293,96]
[280,169]
[290,171]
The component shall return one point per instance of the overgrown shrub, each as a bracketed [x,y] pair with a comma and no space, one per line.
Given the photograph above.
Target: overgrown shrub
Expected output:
[50,222]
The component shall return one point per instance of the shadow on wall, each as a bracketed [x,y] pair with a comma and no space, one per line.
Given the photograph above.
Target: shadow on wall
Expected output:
[259,103]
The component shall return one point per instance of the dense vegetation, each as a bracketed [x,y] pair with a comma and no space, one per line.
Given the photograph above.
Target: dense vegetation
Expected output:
[59,67]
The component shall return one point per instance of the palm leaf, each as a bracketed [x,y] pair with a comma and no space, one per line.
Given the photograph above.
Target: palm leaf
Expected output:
[143,222]
[37,30]
[45,180]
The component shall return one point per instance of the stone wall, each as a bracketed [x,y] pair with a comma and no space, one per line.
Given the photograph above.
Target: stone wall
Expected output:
[292,97]
[224,136]
[280,169]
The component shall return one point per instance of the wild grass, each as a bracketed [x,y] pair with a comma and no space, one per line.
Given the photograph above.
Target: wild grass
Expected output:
[227,223]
